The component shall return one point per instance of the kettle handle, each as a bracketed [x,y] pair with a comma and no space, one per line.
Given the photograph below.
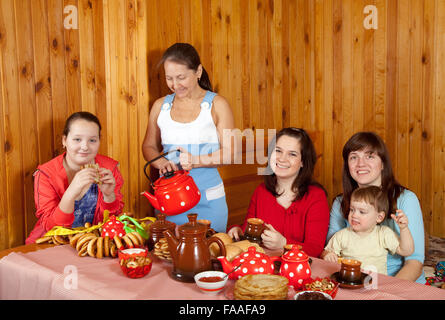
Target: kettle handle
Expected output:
[220,244]
[145,172]
[154,159]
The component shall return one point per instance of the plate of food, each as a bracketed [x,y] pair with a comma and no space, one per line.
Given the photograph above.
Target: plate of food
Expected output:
[324,285]
[259,287]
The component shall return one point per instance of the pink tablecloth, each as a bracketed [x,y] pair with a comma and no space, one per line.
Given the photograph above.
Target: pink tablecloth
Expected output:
[58,273]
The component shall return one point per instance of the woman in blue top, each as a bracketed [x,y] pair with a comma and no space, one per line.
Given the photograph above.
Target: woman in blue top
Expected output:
[191,119]
[366,162]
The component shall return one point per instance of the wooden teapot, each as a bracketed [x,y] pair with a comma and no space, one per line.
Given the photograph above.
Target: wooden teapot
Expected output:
[190,253]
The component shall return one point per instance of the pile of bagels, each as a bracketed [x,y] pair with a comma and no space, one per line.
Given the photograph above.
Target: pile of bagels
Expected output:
[94,245]
[98,247]
[233,248]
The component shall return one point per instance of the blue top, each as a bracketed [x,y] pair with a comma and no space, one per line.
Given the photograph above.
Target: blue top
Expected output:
[85,208]
[410,205]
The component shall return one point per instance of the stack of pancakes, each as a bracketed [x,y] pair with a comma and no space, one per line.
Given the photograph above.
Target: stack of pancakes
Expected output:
[261,287]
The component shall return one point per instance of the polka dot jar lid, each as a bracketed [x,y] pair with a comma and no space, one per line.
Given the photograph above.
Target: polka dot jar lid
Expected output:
[295,255]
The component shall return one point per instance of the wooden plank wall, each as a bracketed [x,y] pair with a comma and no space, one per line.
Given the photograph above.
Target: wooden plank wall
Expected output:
[303,63]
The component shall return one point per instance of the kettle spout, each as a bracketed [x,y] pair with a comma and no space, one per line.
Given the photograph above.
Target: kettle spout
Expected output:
[173,245]
[226,265]
[153,200]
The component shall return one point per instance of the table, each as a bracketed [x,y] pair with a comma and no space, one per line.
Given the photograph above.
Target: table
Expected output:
[57,272]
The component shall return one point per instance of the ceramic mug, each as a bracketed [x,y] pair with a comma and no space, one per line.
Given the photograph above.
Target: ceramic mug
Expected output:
[210,232]
[350,271]
[254,230]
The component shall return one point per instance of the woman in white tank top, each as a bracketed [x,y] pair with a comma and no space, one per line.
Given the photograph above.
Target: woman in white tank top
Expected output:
[192,119]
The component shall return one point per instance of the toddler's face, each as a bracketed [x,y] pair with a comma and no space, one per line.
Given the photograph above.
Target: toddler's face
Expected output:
[363,217]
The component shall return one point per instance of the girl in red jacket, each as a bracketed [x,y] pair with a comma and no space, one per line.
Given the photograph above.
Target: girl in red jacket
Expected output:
[293,206]
[68,194]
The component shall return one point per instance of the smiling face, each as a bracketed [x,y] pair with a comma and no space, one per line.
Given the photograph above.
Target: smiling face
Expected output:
[285,160]
[180,79]
[82,142]
[365,167]
[363,217]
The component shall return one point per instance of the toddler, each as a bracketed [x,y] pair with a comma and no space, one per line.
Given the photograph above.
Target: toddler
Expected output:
[365,239]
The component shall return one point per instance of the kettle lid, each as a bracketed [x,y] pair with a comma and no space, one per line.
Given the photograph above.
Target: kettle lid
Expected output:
[192,227]
[171,178]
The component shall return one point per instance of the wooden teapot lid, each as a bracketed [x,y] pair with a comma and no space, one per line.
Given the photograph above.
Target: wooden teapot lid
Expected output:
[161,224]
[192,227]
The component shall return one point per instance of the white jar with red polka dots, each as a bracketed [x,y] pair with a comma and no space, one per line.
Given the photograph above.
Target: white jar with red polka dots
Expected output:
[295,266]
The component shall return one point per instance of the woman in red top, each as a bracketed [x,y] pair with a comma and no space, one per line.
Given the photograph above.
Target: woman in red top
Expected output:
[68,195]
[293,206]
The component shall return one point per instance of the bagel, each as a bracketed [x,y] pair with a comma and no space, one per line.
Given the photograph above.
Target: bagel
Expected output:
[92,247]
[61,239]
[107,246]
[113,249]
[225,238]
[87,225]
[232,252]
[134,239]
[75,238]
[100,248]
[44,239]
[83,250]
[128,242]
[83,239]
[96,232]
[139,237]
[118,242]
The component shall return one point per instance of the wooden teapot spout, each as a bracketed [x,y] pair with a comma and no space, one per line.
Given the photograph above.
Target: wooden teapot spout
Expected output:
[173,244]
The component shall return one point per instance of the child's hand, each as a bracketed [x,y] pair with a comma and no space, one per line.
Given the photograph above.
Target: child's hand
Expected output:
[401,219]
[330,256]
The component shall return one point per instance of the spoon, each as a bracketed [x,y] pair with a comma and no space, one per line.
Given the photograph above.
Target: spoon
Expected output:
[234,269]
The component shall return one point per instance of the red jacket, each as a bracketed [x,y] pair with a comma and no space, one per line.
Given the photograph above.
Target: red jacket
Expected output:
[305,222]
[51,182]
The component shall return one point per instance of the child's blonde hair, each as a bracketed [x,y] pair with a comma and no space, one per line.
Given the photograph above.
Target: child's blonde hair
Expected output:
[372,195]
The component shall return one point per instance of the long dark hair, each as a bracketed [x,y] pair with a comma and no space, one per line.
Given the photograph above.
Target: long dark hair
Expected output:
[390,186]
[81,115]
[186,54]
[308,157]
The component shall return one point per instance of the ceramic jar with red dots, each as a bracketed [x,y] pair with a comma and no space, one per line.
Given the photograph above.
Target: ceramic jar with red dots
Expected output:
[113,227]
[250,262]
[295,266]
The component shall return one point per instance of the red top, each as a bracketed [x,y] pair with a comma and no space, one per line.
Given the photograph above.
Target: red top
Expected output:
[305,222]
[51,182]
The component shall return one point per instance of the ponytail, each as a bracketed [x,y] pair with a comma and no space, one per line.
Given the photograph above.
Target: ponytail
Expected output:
[204,80]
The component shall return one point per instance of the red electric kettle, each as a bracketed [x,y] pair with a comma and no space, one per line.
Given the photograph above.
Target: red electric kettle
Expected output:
[174,193]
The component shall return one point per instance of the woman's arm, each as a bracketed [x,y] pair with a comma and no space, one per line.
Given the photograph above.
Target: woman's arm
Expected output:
[152,147]
[47,204]
[413,265]
[317,222]
[117,205]
[411,270]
